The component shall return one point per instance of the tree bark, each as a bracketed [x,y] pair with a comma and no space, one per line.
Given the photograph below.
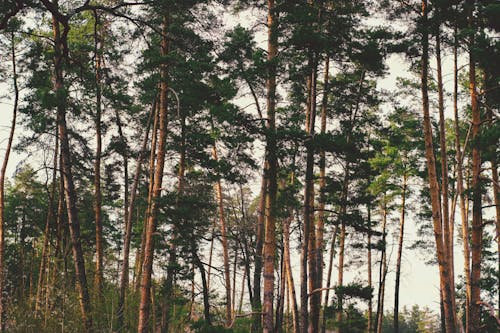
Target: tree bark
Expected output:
[128,225]
[152,159]
[69,187]
[477,223]
[460,185]
[147,268]
[225,246]
[443,264]
[44,261]
[289,275]
[382,270]
[99,242]
[269,249]
[400,253]
[2,188]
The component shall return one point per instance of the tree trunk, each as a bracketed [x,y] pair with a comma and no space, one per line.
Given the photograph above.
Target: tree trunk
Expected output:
[400,253]
[152,158]
[44,262]
[447,221]
[99,243]
[128,225]
[443,264]
[147,268]
[288,272]
[269,250]
[69,187]
[460,185]
[369,327]
[225,246]
[2,188]
[382,270]
[477,223]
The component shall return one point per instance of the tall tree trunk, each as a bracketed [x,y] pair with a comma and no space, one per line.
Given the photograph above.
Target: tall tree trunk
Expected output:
[44,261]
[444,268]
[60,40]
[382,270]
[489,83]
[460,184]
[269,249]
[225,246]
[446,220]
[477,223]
[329,278]
[99,243]
[2,188]
[147,268]
[320,230]
[400,253]
[128,225]
[152,159]
[288,272]
[172,260]
[369,327]
[258,260]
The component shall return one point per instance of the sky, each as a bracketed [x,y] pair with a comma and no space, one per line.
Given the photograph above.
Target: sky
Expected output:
[419,281]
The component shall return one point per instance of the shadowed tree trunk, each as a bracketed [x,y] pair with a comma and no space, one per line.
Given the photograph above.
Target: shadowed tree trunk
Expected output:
[147,265]
[400,254]
[2,186]
[460,185]
[128,225]
[269,249]
[477,223]
[60,42]
[444,268]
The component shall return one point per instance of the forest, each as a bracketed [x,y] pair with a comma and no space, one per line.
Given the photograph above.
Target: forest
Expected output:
[250,166]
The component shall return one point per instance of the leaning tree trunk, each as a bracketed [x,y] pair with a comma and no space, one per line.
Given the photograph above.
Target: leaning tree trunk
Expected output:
[145,301]
[44,261]
[269,249]
[2,188]
[225,246]
[128,226]
[400,253]
[60,41]
[444,268]
[139,258]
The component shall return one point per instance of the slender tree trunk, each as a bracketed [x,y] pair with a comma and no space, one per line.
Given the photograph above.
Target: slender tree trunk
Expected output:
[320,230]
[400,253]
[329,278]
[152,158]
[444,268]
[258,260]
[477,223]
[147,268]
[44,262]
[289,275]
[206,295]
[99,247]
[2,188]
[280,306]
[128,225]
[269,249]
[69,187]
[383,270]
[460,185]
[225,246]
[369,328]
[447,221]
